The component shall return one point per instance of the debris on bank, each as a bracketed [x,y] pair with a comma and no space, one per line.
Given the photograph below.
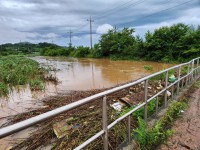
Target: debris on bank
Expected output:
[72,128]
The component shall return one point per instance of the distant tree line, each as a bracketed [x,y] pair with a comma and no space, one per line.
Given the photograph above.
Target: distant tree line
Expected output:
[27,48]
[178,42]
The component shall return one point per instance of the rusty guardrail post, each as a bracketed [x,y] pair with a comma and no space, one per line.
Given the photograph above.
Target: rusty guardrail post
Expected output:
[172,92]
[156,106]
[187,78]
[105,124]
[178,84]
[197,68]
[166,83]
[145,98]
[129,128]
[192,69]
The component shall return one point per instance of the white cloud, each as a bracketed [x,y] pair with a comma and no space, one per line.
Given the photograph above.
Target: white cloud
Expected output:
[103,28]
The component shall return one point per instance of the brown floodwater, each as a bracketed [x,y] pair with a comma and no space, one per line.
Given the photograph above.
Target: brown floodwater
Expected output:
[86,73]
[75,74]
[72,74]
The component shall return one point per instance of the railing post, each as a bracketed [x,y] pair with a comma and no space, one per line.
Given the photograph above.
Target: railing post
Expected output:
[172,92]
[178,84]
[187,78]
[129,129]
[197,70]
[156,106]
[166,83]
[182,84]
[105,124]
[192,69]
[145,99]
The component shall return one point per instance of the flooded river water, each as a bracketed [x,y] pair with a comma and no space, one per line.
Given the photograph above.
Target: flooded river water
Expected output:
[86,74]
[73,74]
[76,74]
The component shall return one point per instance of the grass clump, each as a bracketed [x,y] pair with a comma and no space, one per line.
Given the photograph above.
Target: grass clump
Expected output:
[19,70]
[140,112]
[149,138]
[147,67]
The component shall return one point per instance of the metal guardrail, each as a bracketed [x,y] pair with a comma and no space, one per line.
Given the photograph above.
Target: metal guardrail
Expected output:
[192,74]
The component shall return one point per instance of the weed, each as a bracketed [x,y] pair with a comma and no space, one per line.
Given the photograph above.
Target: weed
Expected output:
[36,85]
[3,89]
[147,67]
[148,138]
[19,70]
[140,112]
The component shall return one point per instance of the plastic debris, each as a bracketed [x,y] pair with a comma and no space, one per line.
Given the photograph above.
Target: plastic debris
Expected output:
[169,93]
[159,87]
[182,111]
[117,106]
[91,107]
[62,128]
[172,78]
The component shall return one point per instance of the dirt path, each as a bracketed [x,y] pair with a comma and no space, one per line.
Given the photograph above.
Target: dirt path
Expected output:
[187,129]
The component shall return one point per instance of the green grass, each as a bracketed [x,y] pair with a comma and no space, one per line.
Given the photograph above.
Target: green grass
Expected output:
[147,67]
[19,70]
[140,112]
[148,138]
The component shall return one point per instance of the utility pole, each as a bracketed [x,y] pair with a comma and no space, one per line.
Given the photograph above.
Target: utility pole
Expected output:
[90,20]
[19,46]
[70,38]
[115,28]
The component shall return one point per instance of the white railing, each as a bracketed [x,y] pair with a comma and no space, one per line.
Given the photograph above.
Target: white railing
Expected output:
[192,74]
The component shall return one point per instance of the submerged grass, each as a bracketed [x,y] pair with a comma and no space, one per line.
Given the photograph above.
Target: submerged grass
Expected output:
[19,70]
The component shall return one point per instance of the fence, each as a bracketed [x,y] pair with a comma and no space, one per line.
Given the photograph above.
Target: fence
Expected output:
[191,75]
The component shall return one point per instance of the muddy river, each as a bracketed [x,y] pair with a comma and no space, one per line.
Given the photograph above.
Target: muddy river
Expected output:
[76,74]
[85,74]
[72,74]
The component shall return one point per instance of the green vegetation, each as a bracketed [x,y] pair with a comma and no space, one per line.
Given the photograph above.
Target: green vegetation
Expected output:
[16,70]
[148,138]
[80,52]
[53,50]
[140,112]
[176,43]
[147,67]
[26,48]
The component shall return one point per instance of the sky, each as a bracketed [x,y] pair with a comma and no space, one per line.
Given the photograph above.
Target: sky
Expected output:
[51,20]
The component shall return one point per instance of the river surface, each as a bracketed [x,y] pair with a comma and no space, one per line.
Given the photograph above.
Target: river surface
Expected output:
[76,74]
[86,74]
[72,74]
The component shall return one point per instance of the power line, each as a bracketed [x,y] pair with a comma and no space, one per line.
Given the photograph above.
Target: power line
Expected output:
[105,12]
[110,11]
[123,24]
